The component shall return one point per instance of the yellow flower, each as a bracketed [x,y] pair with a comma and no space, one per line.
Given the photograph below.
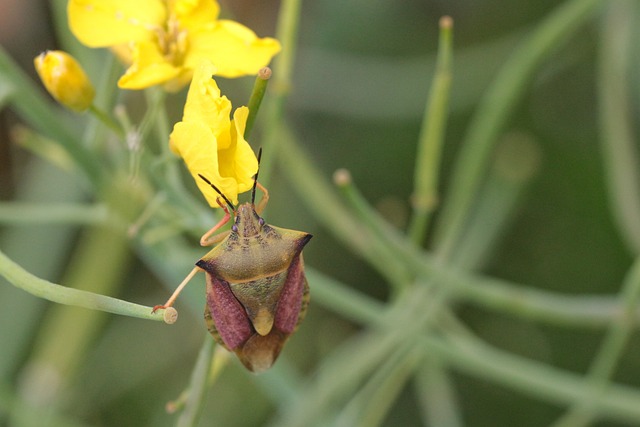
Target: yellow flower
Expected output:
[210,143]
[65,79]
[165,40]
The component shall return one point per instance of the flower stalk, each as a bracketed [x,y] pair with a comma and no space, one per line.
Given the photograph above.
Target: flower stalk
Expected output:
[259,89]
[41,288]
[425,195]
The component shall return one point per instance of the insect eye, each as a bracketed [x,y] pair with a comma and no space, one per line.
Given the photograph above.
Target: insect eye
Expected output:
[234,228]
[261,221]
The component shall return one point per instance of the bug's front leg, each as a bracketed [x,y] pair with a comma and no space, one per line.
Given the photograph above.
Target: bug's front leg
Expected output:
[265,198]
[207,239]
[179,289]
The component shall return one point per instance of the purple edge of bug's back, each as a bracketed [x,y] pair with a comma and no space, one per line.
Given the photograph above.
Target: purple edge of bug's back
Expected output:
[290,300]
[230,318]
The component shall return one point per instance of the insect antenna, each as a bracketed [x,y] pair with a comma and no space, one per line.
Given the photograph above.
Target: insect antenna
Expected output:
[233,209]
[255,179]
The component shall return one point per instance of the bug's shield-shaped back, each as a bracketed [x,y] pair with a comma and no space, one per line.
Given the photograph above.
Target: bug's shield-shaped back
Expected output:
[255,306]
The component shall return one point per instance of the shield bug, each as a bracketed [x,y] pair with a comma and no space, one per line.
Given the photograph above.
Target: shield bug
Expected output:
[257,292]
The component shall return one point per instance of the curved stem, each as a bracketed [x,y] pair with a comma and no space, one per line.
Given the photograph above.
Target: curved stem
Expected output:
[24,280]
[493,113]
[617,140]
[259,89]
[425,194]
[61,213]
[287,33]
[602,368]
[197,385]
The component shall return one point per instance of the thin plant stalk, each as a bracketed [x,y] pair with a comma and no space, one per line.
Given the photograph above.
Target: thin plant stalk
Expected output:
[197,385]
[257,94]
[473,357]
[373,401]
[41,288]
[320,197]
[603,366]
[617,139]
[490,120]
[340,374]
[427,168]
[54,213]
[495,294]
[107,120]
[436,395]
[287,33]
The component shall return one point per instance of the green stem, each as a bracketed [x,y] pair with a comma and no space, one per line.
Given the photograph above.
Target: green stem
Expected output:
[44,147]
[536,379]
[511,171]
[495,109]
[603,365]
[347,367]
[27,415]
[34,109]
[219,360]
[516,163]
[575,311]
[160,119]
[107,121]
[425,194]
[436,395]
[503,296]
[37,181]
[259,89]
[95,135]
[155,98]
[287,33]
[372,402]
[40,288]
[321,199]
[197,385]
[617,141]
[282,383]
[61,213]
[378,228]
[342,299]
[514,168]
[98,266]
[476,358]
[581,311]
[163,172]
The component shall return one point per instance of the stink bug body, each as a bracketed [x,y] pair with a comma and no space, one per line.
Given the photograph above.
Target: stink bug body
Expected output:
[257,292]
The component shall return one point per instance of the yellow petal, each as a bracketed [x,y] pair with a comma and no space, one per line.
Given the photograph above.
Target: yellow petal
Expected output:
[195,143]
[193,14]
[212,144]
[234,49]
[204,104]
[65,79]
[100,23]
[149,68]
[124,52]
[239,160]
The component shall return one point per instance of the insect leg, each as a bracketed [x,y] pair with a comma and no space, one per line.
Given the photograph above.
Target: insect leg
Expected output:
[206,239]
[179,289]
[263,201]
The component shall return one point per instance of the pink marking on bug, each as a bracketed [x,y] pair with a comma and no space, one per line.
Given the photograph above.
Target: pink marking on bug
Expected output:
[290,301]
[229,315]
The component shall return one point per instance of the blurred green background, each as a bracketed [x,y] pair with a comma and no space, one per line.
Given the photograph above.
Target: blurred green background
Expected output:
[361,78]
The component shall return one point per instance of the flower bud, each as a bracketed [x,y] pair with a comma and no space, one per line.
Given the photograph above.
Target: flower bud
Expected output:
[65,79]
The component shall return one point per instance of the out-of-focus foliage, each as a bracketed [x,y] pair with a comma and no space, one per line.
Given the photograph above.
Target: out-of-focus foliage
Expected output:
[516,322]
